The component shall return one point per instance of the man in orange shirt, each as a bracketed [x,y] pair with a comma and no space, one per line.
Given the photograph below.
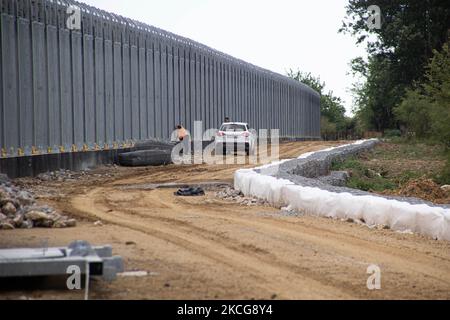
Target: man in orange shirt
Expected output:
[183,136]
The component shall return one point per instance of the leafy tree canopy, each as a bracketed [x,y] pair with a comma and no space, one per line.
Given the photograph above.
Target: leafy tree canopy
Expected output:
[331,106]
[398,52]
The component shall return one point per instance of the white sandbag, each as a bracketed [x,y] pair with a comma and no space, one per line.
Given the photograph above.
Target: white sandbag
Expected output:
[373,210]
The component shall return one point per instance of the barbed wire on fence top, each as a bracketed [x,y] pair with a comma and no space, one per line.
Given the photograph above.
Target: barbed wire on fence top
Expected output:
[53,12]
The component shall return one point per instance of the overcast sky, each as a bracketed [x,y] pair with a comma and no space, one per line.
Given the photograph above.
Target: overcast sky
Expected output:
[276,35]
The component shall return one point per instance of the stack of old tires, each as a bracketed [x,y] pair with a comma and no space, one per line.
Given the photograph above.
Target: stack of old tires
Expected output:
[147,153]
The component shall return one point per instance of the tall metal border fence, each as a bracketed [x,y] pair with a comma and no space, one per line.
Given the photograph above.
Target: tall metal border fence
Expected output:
[116,80]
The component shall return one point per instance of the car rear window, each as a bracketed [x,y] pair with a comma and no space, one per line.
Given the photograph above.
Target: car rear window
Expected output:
[233,127]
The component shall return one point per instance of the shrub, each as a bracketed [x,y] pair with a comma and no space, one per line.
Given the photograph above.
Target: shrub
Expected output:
[425,110]
[391,133]
[444,176]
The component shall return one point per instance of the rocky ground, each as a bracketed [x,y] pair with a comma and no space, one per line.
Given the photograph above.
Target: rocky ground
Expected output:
[213,247]
[18,209]
[230,194]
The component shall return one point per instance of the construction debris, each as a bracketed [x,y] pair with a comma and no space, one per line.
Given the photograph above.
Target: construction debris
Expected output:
[18,209]
[230,194]
[95,261]
[63,175]
[133,274]
[190,192]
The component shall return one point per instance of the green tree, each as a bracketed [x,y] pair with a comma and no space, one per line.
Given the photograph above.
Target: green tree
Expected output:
[331,106]
[327,128]
[425,110]
[377,95]
[398,52]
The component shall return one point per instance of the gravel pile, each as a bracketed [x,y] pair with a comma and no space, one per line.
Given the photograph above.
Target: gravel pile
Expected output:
[231,194]
[60,175]
[63,175]
[319,163]
[18,209]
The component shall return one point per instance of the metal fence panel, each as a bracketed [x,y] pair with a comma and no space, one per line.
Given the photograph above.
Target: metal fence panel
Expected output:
[99,85]
[170,92]
[77,87]
[164,97]
[25,84]
[10,121]
[2,111]
[118,94]
[89,91]
[54,110]
[183,118]
[208,104]
[134,93]
[109,93]
[126,91]
[176,85]
[157,79]
[66,90]
[117,80]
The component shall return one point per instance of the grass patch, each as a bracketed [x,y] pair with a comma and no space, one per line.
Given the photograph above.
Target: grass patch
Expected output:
[443,177]
[392,165]
[363,177]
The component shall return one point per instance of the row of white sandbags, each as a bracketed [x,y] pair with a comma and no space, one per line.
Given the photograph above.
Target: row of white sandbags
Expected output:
[374,210]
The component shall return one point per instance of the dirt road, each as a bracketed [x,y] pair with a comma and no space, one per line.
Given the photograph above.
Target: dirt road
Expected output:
[208,248]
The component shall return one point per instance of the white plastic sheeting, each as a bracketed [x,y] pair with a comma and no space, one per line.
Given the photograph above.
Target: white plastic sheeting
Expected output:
[374,210]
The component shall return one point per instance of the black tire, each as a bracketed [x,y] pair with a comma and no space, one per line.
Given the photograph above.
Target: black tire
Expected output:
[145,158]
[153,144]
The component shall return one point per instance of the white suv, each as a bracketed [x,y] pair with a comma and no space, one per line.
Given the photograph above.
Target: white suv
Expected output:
[235,136]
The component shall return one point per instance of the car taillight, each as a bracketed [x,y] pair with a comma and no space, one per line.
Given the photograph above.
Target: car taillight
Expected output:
[220,133]
[246,134]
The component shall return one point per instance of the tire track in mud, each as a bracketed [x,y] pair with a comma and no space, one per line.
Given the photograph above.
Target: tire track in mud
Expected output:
[237,257]
[296,258]
[293,228]
[257,261]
